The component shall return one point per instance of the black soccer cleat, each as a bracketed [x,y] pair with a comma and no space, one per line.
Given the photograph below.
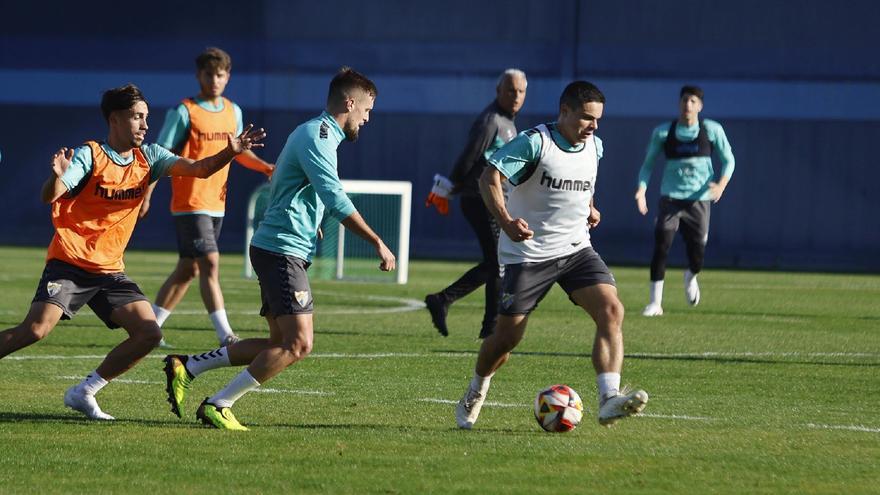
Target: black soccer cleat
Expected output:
[438,309]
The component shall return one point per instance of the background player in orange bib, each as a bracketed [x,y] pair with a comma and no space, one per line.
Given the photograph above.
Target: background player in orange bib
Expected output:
[96,192]
[197,128]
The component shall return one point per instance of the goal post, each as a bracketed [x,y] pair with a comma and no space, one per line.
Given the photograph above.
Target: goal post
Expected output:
[385,205]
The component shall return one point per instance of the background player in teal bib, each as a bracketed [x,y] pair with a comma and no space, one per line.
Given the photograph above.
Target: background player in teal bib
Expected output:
[687,190]
[305,185]
[546,221]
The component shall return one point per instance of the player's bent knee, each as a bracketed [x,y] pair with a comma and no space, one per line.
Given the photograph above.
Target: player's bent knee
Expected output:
[38,331]
[149,336]
[298,350]
[612,313]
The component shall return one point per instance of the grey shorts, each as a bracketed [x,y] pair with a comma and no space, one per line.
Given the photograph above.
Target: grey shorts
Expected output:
[70,287]
[197,234]
[284,284]
[692,217]
[525,284]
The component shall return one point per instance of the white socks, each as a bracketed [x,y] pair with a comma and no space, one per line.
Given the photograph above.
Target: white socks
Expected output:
[200,363]
[657,292]
[92,383]
[608,384]
[221,324]
[240,385]
[218,319]
[162,314]
[481,383]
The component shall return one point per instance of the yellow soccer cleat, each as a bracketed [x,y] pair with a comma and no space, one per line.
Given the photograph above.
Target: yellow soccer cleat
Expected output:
[218,417]
[178,381]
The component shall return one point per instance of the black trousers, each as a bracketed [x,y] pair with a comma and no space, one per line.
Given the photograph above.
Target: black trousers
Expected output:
[486,272]
[689,217]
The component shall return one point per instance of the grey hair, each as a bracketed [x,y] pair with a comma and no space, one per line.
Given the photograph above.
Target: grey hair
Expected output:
[511,73]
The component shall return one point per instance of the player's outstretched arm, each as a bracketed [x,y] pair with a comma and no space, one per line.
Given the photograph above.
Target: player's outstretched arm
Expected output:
[249,159]
[355,223]
[493,195]
[53,188]
[249,138]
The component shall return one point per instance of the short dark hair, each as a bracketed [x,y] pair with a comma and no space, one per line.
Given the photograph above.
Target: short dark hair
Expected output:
[121,98]
[579,92]
[214,58]
[691,90]
[347,79]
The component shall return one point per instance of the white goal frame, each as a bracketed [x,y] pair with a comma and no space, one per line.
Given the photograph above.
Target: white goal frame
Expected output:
[389,187]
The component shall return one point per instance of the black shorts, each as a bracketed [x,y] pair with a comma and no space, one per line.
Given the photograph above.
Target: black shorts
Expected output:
[197,234]
[284,284]
[525,284]
[691,216]
[70,287]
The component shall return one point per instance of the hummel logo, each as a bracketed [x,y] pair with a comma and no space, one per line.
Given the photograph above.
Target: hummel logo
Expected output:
[565,184]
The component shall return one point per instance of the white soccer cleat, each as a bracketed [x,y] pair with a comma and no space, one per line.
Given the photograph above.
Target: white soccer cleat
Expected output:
[653,309]
[77,400]
[691,288]
[622,405]
[468,409]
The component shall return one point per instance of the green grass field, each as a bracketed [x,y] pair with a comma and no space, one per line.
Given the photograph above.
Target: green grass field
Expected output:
[771,385]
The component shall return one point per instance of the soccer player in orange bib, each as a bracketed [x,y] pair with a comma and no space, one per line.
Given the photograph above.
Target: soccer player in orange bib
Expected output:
[96,191]
[197,128]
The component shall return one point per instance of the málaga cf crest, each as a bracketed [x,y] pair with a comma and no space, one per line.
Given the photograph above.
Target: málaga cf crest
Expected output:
[302,297]
[53,288]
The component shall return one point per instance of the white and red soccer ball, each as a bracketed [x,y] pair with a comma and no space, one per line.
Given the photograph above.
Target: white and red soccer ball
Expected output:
[558,408]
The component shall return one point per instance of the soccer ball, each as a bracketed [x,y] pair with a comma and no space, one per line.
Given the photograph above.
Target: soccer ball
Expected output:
[558,408]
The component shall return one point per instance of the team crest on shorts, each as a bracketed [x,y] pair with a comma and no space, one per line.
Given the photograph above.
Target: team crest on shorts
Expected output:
[302,297]
[53,288]
[506,300]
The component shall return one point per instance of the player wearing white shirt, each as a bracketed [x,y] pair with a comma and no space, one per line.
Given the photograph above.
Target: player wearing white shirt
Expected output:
[546,222]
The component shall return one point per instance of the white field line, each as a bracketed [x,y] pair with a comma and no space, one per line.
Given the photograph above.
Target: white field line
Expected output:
[404,305]
[711,354]
[861,428]
[259,390]
[493,404]
[468,354]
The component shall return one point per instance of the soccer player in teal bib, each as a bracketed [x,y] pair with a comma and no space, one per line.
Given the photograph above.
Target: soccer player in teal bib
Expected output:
[546,220]
[305,185]
[687,191]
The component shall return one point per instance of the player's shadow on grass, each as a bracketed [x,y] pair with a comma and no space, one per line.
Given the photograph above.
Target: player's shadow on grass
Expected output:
[373,427]
[680,357]
[73,419]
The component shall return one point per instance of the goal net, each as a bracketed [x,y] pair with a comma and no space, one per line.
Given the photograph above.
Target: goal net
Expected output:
[342,255]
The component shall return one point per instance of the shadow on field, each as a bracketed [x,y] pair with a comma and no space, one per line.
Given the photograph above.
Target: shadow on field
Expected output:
[36,418]
[683,357]
[376,427]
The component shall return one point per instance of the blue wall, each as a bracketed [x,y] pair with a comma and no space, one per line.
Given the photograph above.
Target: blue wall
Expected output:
[797,90]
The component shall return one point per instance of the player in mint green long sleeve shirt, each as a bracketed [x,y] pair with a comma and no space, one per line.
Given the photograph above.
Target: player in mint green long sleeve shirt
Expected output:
[687,190]
[304,184]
